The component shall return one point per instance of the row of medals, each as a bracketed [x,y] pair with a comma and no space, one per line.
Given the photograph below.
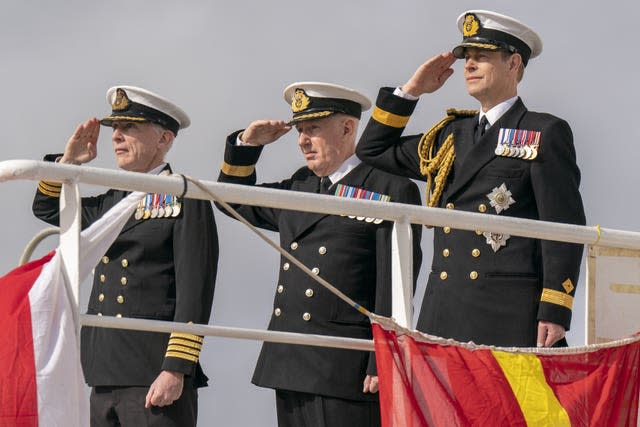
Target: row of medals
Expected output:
[158,206]
[518,143]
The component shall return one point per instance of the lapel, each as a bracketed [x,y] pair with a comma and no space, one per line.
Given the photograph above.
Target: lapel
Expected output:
[463,140]
[132,221]
[483,151]
[302,221]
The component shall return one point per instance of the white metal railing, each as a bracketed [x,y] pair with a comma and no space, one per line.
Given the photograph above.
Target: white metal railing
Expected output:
[402,215]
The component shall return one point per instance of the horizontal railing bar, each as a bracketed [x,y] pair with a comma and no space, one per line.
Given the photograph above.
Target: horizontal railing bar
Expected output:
[309,202]
[226,332]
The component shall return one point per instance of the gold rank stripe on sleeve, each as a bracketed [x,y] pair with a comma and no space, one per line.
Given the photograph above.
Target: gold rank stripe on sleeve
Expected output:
[181,349]
[181,355]
[185,343]
[556,297]
[52,189]
[239,171]
[184,346]
[389,119]
[190,337]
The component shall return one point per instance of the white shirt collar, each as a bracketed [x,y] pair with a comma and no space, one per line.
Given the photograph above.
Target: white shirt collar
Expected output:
[157,170]
[494,114]
[344,169]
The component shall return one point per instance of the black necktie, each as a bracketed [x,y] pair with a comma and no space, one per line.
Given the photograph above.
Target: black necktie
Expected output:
[325,183]
[480,129]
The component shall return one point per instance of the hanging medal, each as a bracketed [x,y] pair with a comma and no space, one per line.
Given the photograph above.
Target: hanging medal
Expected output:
[154,205]
[176,206]
[147,206]
[167,205]
[139,210]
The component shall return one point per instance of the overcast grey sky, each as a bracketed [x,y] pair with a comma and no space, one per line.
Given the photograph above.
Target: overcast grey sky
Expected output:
[226,64]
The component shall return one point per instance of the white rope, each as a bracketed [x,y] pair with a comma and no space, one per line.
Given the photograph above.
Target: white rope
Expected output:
[282,252]
[391,325]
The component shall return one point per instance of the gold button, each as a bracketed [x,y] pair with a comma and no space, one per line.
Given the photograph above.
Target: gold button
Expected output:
[501,198]
[475,253]
[482,207]
[99,314]
[123,281]
[294,246]
[277,312]
[446,230]
[322,250]
[446,253]
[315,270]
[306,317]
[125,263]
[479,232]
[120,299]
[309,292]
[101,297]
[450,205]
[103,278]
[118,315]
[473,275]
[285,266]
[105,259]
[280,289]
[443,275]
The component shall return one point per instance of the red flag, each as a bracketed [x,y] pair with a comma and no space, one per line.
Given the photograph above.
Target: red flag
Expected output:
[41,381]
[426,381]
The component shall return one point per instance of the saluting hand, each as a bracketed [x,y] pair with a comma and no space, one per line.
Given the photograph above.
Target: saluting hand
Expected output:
[166,389]
[263,132]
[431,75]
[81,147]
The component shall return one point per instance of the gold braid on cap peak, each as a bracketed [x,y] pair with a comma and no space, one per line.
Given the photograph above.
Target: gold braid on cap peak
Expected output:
[439,163]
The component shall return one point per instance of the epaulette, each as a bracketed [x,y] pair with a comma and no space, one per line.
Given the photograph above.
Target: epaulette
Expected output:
[461,113]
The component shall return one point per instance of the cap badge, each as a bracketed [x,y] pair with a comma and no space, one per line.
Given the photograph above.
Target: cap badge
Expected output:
[300,101]
[121,102]
[471,26]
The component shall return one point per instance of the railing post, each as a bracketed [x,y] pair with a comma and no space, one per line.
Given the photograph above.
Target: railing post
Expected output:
[402,273]
[70,227]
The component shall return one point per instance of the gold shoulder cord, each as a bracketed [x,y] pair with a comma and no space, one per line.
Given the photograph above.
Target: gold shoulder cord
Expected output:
[441,162]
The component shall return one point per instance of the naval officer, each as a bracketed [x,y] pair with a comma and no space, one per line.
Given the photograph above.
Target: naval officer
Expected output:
[162,266]
[317,386]
[503,160]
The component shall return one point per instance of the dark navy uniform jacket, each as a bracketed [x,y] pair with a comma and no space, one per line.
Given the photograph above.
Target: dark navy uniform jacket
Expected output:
[158,268]
[475,293]
[353,255]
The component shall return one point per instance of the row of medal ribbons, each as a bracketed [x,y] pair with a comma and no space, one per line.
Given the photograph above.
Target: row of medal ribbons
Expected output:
[519,143]
[158,206]
[361,193]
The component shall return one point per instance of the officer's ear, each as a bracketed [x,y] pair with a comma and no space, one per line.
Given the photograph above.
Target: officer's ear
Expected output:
[348,126]
[166,138]
[515,61]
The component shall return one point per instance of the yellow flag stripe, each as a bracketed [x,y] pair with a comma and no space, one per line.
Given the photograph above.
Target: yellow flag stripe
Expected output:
[389,119]
[539,404]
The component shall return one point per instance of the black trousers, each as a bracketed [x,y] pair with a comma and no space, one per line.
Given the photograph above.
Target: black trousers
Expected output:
[297,409]
[124,406]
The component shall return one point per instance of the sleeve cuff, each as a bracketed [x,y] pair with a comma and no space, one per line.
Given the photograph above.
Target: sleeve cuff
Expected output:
[398,92]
